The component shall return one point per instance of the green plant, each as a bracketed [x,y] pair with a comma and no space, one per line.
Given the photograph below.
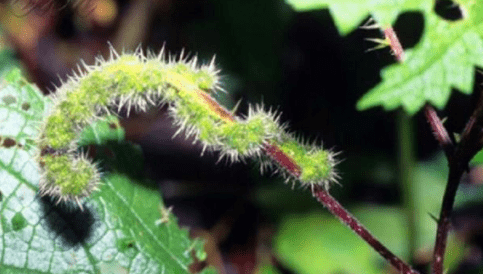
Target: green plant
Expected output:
[53,133]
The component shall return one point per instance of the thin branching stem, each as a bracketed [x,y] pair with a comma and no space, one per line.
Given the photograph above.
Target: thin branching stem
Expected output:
[458,159]
[439,131]
[444,224]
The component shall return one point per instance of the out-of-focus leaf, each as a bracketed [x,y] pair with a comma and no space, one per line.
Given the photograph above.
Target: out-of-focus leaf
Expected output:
[478,158]
[430,179]
[267,269]
[323,245]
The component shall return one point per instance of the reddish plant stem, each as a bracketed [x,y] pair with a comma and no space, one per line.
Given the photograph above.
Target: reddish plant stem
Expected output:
[336,209]
[285,161]
[394,43]
[345,217]
[281,158]
[458,159]
[439,131]
[444,224]
[455,173]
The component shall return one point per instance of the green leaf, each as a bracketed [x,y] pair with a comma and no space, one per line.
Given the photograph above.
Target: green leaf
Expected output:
[349,14]
[209,270]
[8,61]
[323,245]
[124,228]
[444,58]
[22,107]
[429,179]
[478,158]
[267,269]
[108,129]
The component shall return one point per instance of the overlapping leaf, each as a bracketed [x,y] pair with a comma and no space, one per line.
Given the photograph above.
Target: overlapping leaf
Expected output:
[444,58]
[349,14]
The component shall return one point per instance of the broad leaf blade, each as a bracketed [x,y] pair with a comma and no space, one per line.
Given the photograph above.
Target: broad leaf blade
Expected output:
[22,107]
[124,227]
[349,14]
[444,58]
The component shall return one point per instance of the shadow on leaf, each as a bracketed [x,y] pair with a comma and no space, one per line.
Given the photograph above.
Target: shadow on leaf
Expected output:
[73,225]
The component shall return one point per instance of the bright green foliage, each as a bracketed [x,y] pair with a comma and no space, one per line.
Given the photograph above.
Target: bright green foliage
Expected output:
[122,221]
[349,14]
[444,58]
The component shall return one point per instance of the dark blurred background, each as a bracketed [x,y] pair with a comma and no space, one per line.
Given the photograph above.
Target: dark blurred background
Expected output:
[297,63]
